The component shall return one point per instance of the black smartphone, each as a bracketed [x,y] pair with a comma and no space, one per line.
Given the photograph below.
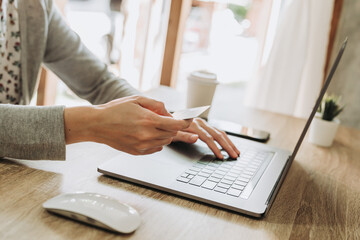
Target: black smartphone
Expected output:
[238,130]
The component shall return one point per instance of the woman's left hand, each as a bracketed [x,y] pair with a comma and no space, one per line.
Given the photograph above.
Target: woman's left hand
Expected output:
[200,129]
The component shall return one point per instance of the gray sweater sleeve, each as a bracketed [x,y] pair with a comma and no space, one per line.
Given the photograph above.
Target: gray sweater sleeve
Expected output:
[32,132]
[83,72]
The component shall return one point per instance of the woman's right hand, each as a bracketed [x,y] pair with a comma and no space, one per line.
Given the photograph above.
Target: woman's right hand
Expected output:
[136,125]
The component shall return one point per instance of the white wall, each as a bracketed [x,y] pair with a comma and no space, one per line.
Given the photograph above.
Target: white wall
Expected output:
[346,81]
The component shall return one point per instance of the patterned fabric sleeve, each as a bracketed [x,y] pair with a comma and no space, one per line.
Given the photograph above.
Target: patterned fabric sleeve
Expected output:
[10,53]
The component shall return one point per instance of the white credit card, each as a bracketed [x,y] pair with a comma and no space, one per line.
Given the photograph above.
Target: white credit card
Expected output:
[189,113]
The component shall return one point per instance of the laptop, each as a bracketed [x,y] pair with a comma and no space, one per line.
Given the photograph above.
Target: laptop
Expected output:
[247,185]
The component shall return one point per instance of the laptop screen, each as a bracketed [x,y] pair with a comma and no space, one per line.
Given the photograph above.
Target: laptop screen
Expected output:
[318,101]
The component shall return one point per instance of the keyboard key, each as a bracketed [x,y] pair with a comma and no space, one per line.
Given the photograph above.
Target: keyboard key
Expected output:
[184,175]
[217,175]
[240,165]
[213,165]
[232,175]
[191,172]
[209,185]
[227,181]
[207,171]
[182,179]
[243,179]
[229,163]
[226,165]
[246,176]
[238,168]
[251,170]
[222,173]
[210,168]
[235,172]
[201,163]
[223,185]
[204,174]
[218,162]
[239,187]
[251,173]
[255,164]
[195,169]
[197,180]
[234,192]
[224,169]
[214,179]
[241,183]
[220,189]
[257,161]
[251,167]
[230,178]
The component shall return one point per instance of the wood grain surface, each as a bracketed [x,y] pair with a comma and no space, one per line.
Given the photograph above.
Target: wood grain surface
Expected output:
[319,199]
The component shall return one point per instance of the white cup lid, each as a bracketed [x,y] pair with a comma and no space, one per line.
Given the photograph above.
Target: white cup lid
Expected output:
[203,76]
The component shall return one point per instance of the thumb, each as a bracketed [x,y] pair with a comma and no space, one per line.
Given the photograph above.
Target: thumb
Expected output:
[185,137]
[153,105]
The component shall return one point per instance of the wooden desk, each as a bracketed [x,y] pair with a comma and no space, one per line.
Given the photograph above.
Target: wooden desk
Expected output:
[319,199]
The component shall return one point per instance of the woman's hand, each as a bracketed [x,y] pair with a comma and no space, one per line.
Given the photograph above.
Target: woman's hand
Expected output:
[199,128]
[136,125]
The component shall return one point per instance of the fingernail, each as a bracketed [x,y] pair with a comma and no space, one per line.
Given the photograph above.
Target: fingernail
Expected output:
[194,137]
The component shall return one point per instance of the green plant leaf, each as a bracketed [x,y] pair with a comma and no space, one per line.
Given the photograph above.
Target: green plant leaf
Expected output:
[330,107]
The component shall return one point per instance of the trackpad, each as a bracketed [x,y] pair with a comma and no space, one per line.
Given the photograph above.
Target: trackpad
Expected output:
[160,168]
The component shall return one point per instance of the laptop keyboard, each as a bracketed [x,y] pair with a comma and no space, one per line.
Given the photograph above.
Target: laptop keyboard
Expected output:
[229,176]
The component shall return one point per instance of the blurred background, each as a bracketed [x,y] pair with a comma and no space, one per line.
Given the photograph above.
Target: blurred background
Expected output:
[263,51]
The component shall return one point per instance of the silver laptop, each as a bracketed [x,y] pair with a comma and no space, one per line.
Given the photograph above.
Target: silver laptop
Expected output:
[246,185]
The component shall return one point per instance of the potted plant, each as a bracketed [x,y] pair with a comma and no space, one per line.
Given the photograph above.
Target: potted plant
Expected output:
[325,124]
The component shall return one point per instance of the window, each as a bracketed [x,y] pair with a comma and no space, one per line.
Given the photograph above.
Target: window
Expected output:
[227,38]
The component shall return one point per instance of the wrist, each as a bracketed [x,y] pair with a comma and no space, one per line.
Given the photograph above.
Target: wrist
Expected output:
[79,123]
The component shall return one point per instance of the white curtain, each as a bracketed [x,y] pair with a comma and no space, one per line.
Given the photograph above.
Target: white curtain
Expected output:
[291,78]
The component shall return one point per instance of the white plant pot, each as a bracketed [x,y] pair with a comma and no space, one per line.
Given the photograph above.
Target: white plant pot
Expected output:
[323,132]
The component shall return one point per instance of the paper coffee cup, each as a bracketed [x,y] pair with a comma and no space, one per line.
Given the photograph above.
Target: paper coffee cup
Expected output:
[201,89]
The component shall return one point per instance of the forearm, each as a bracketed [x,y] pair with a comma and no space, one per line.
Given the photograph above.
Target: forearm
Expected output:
[80,124]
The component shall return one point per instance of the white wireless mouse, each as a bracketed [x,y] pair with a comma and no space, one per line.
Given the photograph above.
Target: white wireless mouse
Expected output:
[95,209]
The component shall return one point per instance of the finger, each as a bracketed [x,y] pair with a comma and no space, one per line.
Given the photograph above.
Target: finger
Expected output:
[153,105]
[152,150]
[232,144]
[209,140]
[185,137]
[170,124]
[144,146]
[150,134]
[219,137]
